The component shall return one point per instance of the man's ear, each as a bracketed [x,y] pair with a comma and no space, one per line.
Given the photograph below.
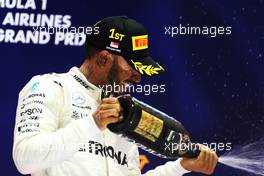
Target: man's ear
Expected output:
[104,58]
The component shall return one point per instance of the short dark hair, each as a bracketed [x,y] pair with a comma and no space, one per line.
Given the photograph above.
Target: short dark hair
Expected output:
[90,51]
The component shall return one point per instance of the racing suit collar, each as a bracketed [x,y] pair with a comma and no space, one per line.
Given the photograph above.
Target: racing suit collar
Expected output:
[81,79]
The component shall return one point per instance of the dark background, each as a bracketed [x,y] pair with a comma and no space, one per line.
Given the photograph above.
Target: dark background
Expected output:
[215,86]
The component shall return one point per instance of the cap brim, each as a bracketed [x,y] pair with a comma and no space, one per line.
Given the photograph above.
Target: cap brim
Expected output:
[146,66]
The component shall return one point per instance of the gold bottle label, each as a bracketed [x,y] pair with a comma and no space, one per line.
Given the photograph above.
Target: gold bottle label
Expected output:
[149,126]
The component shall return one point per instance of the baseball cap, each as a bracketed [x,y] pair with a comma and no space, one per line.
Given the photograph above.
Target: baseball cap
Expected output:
[126,37]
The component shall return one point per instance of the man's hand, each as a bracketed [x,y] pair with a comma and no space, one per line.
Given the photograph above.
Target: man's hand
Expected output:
[109,111]
[204,163]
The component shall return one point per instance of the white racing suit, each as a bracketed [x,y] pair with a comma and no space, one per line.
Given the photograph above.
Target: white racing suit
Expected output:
[55,133]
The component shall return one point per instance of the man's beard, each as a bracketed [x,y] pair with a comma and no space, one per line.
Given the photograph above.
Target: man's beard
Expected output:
[113,73]
[113,80]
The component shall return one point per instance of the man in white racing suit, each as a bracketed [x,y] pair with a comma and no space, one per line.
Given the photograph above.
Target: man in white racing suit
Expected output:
[61,121]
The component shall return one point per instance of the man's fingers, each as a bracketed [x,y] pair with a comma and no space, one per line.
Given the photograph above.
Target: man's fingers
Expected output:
[108,112]
[209,162]
[202,153]
[112,120]
[103,118]
[201,158]
[110,106]
[207,159]
[107,120]
[110,100]
[204,163]
[214,162]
